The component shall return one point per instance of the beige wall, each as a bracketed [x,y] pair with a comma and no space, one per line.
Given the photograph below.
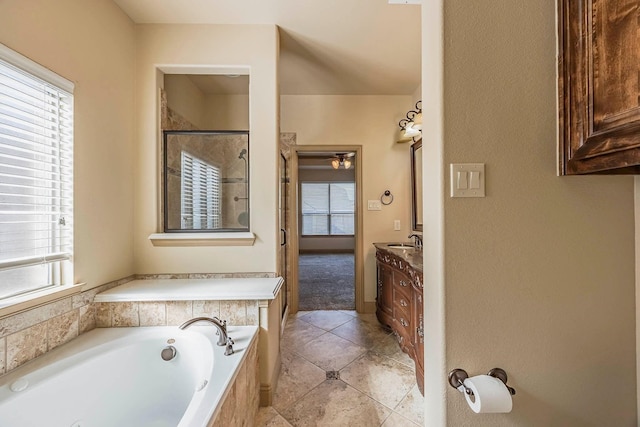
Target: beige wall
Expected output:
[539,275]
[370,121]
[91,44]
[255,47]
[184,97]
[227,112]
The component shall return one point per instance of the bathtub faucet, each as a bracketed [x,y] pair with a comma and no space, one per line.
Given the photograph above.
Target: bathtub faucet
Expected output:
[221,326]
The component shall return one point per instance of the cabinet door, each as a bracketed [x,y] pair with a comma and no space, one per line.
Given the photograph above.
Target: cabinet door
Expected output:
[384,300]
[598,86]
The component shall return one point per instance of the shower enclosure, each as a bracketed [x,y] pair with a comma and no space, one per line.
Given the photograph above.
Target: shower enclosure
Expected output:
[206,185]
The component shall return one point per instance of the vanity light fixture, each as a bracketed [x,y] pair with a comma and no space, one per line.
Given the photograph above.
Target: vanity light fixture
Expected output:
[411,126]
[342,159]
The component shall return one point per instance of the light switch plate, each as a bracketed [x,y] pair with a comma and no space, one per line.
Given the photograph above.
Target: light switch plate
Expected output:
[374,205]
[467,180]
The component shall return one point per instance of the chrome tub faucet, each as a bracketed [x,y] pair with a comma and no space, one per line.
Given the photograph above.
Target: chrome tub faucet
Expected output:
[221,326]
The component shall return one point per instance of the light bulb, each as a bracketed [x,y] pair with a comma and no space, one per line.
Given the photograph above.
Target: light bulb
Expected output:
[347,163]
[335,163]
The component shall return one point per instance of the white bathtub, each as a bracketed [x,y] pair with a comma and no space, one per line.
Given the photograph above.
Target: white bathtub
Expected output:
[116,377]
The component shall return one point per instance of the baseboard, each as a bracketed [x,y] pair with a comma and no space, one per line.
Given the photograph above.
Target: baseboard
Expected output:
[267,390]
[369,306]
[325,251]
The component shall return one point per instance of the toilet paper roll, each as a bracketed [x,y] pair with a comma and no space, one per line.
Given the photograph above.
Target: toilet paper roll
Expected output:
[490,395]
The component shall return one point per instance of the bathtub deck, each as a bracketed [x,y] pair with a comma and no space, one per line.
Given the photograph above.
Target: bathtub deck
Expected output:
[194,289]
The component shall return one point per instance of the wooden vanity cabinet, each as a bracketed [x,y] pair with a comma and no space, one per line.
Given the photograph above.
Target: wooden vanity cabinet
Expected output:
[399,306]
[598,86]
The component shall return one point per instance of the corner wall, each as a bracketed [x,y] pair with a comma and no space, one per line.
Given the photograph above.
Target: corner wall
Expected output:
[93,45]
[254,46]
[539,275]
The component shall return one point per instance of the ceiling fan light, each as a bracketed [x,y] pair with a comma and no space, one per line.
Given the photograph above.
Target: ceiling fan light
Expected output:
[335,163]
[347,163]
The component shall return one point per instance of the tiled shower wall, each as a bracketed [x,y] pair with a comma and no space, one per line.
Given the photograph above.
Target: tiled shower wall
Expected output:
[34,332]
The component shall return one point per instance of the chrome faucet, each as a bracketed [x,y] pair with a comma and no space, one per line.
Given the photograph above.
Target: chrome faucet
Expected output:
[221,326]
[418,240]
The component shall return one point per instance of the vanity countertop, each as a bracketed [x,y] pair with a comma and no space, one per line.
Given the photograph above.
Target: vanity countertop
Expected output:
[410,254]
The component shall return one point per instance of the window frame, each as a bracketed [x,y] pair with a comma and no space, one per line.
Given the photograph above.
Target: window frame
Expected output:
[60,264]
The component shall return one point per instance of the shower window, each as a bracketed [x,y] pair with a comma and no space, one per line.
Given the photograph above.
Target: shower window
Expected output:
[328,208]
[206,186]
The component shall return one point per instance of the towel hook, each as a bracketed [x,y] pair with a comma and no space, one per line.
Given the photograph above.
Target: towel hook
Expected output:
[386,198]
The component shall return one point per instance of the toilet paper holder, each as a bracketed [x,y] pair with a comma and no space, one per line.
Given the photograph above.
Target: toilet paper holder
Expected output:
[457,377]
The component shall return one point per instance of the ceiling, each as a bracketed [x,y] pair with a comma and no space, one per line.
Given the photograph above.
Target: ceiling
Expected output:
[327,47]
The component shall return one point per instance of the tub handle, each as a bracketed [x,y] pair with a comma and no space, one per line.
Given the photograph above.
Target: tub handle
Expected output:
[168,353]
[229,350]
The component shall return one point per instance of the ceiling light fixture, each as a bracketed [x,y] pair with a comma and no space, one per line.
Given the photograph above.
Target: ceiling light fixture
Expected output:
[343,159]
[411,126]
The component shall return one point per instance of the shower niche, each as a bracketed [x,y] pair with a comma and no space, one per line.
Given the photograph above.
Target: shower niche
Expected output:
[206,181]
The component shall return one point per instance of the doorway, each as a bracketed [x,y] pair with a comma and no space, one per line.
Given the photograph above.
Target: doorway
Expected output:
[326,230]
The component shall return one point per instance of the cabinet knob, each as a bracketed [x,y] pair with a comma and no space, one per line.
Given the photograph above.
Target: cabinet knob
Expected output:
[403,303]
[403,283]
[403,322]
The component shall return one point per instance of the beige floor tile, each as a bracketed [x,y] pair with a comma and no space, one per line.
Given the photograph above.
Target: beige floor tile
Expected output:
[361,332]
[297,378]
[326,319]
[298,332]
[351,313]
[334,403]
[388,346]
[380,377]
[330,352]
[412,406]
[396,420]
[265,414]
[278,421]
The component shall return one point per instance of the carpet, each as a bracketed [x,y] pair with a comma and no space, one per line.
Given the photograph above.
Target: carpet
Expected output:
[326,282]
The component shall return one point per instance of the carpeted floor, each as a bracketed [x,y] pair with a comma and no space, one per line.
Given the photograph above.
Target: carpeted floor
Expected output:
[326,282]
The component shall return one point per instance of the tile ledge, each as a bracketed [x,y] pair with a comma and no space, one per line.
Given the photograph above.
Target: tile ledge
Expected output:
[28,301]
[203,239]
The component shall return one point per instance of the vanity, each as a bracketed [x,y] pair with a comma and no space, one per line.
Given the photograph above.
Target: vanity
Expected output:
[399,304]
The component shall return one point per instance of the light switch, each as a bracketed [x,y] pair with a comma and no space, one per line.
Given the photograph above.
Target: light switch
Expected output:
[374,205]
[396,225]
[467,179]
[462,180]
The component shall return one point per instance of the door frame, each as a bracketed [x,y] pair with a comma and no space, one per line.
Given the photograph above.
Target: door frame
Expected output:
[295,235]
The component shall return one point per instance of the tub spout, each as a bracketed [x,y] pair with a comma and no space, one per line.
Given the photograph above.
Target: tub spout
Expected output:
[221,325]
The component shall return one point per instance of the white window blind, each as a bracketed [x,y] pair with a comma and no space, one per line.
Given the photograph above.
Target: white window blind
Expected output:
[36,176]
[328,208]
[201,187]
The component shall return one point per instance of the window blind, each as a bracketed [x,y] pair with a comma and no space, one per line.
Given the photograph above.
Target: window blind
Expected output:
[327,208]
[201,187]
[36,175]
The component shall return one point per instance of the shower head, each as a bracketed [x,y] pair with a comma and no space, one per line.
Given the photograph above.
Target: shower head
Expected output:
[242,153]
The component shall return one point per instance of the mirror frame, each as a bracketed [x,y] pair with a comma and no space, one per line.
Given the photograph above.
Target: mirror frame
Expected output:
[165,189]
[415,225]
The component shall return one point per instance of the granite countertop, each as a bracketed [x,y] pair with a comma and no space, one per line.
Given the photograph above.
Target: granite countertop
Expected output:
[410,254]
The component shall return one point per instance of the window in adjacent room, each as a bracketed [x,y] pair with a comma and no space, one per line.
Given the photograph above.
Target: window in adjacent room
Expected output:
[36,176]
[328,208]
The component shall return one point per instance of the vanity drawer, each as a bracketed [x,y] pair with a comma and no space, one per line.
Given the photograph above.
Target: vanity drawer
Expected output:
[402,286]
[403,321]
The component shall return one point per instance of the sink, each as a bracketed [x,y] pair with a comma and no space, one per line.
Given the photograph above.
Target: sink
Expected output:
[400,245]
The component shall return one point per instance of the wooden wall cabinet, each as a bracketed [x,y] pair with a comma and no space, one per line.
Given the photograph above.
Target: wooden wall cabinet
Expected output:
[399,306]
[599,86]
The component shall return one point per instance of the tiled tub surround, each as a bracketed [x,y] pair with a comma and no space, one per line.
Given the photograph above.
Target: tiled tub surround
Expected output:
[170,302]
[192,390]
[33,332]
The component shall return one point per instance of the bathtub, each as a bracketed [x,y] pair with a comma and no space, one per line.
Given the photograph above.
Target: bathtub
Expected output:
[117,377]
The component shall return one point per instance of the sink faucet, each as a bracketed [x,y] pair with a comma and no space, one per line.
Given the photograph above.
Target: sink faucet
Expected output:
[418,239]
[221,326]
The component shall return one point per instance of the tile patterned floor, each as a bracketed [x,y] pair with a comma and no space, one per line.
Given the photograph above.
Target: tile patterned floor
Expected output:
[340,368]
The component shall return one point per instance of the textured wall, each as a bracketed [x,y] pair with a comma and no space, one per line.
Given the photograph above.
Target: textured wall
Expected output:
[539,275]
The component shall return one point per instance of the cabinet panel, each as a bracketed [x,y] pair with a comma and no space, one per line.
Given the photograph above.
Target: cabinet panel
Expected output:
[399,306]
[598,86]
